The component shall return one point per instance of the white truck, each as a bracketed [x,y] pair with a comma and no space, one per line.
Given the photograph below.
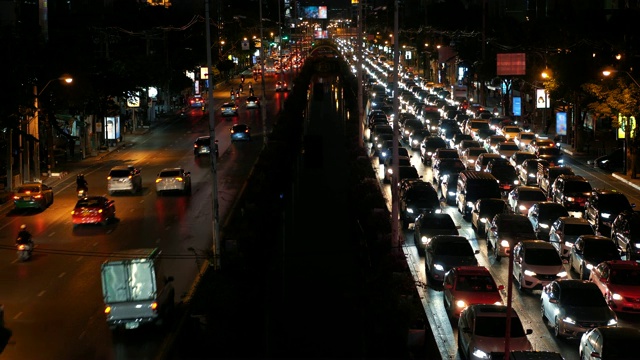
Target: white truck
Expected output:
[135,289]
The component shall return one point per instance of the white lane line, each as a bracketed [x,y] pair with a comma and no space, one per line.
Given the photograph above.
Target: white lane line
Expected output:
[62,275]
[41,293]
[17,315]
[80,258]
[53,233]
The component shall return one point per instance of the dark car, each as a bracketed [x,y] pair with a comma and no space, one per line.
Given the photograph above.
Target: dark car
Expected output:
[416,137]
[444,252]
[550,153]
[483,212]
[571,191]
[589,251]
[611,162]
[625,232]
[603,206]
[428,148]
[417,198]
[565,231]
[507,230]
[252,102]
[506,175]
[457,139]
[428,225]
[543,214]
[229,109]
[409,126]
[202,146]
[240,132]
[446,166]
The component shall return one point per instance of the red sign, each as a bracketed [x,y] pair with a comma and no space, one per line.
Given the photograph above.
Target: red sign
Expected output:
[511,64]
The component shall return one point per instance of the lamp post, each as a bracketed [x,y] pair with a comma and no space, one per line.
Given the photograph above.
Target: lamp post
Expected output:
[33,130]
[626,124]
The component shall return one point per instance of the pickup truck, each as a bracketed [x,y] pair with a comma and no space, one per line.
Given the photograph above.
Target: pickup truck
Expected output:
[547,175]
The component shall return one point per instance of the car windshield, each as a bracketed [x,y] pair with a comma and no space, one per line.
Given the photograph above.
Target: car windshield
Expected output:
[436,143]
[88,203]
[577,186]
[437,222]
[601,248]
[517,226]
[453,248]
[119,173]
[578,229]
[511,129]
[552,212]
[476,151]
[625,277]
[614,202]
[403,151]
[496,326]
[542,257]
[452,166]
[503,172]
[508,147]
[532,196]
[582,297]
[170,173]
[476,283]
[527,136]
[31,189]
[549,151]
[407,172]
[481,190]
[449,153]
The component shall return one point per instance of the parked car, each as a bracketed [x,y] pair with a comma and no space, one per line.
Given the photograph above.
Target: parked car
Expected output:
[609,342]
[444,252]
[602,207]
[565,231]
[625,232]
[173,180]
[464,286]
[535,264]
[543,214]
[430,224]
[33,196]
[482,329]
[619,282]
[124,178]
[589,251]
[93,210]
[571,307]
[523,197]
[611,162]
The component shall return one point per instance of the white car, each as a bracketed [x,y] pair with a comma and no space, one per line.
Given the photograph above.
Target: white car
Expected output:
[535,264]
[510,132]
[522,197]
[173,180]
[523,139]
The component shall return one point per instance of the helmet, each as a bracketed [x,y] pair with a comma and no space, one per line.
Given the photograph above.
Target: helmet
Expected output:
[23,227]
[80,176]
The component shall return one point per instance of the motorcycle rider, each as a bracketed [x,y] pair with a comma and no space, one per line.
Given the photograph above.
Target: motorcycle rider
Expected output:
[242,78]
[24,236]
[81,183]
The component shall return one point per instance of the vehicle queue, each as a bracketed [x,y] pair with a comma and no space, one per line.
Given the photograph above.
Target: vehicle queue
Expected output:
[541,210]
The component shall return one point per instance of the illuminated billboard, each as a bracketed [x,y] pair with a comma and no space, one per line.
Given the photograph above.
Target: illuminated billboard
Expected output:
[314,12]
[511,64]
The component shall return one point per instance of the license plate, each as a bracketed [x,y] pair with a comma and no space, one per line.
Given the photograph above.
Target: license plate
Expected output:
[133,325]
[27,198]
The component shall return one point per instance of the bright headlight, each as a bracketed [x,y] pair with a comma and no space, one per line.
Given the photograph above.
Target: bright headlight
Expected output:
[480,354]
[589,266]
[504,243]
[637,245]
[616,296]
[410,210]
[568,320]
[516,182]
[424,239]
[469,204]
[461,304]
[605,215]
[568,244]
[529,273]
[438,267]
[532,175]
[390,171]
[612,322]
[571,198]
[483,220]
[544,226]
[561,274]
[522,207]
[560,161]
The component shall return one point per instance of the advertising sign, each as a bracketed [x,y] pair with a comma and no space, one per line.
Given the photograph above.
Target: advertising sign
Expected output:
[561,123]
[623,123]
[517,106]
[113,127]
[542,99]
[511,64]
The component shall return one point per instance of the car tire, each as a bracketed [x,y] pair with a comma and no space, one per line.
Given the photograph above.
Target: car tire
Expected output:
[544,318]
[496,254]
[460,348]
[521,288]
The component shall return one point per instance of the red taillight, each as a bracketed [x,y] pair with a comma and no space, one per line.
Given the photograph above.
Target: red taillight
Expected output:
[16,197]
[37,196]
[22,247]
[247,130]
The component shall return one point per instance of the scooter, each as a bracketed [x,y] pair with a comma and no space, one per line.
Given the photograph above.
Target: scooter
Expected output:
[81,193]
[24,250]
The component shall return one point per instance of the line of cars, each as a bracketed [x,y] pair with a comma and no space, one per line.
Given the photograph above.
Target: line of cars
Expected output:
[534,223]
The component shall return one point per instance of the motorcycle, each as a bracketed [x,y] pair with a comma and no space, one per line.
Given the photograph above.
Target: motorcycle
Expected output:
[24,250]
[81,193]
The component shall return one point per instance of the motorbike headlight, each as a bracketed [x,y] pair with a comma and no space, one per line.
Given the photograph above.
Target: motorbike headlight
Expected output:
[504,243]
[605,215]
[529,273]
[469,204]
[480,354]
[544,226]
[561,274]
[612,322]
[570,198]
[438,267]
[390,171]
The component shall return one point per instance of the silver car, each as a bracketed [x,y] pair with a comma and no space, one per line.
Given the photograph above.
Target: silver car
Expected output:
[124,178]
[173,180]
[571,307]
[565,231]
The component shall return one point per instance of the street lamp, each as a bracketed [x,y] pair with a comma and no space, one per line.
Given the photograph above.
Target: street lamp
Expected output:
[626,123]
[33,130]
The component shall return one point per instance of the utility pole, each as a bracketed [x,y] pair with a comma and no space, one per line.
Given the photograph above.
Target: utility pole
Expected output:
[263,101]
[361,109]
[395,204]
[215,224]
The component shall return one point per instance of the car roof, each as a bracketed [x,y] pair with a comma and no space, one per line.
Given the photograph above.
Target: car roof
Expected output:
[537,244]
[623,264]
[491,310]
[522,188]
[573,220]
[472,270]
[449,238]
[575,284]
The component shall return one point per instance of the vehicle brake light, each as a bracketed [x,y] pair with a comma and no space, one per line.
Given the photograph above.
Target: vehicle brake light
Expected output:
[100,211]
[107,310]
[108,177]
[179,179]
[158,180]
[37,196]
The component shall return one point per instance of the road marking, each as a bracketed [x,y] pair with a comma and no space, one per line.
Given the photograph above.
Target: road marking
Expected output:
[53,233]
[62,275]
[17,315]
[80,258]
[41,293]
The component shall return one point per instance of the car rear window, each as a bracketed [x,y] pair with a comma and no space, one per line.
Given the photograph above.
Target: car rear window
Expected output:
[170,173]
[577,186]
[496,326]
[119,173]
[24,189]
[532,196]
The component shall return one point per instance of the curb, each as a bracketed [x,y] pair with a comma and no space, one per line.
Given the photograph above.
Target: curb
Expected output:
[630,183]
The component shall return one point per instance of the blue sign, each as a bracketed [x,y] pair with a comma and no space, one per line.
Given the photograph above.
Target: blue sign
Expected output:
[561,123]
[517,106]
